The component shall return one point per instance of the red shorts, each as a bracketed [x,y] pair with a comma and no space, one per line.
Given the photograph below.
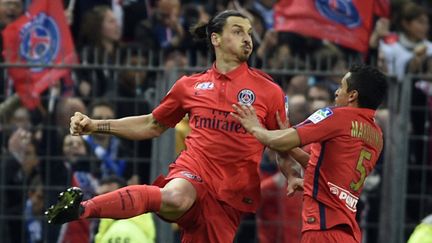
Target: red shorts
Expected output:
[208,220]
[328,236]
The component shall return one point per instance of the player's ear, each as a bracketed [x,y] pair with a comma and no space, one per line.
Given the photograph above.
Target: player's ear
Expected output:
[215,39]
[353,96]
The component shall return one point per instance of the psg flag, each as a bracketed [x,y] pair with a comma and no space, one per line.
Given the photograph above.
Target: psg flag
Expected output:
[344,22]
[40,36]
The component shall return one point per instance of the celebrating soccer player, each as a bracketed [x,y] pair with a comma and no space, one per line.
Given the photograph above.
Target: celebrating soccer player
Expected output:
[215,181]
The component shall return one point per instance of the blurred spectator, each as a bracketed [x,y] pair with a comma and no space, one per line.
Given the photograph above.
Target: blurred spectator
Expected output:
[139,229]
[193,14]
[265,9]
[406,50]
[299,46]
[423,232]
[298,108]
[297,85]
[80,9]
[318,96]
[330,59]
[259,25]
[10,10]
[53,135]
[33,212]
[381,31]
[268,43]
[65,108]
[134,89]
[98,43]
[163,30]
[20,166]
[134,12]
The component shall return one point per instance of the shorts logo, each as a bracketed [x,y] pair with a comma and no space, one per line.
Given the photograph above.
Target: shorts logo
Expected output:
[246,97]
[40,41]
[345,196]
[204,86]
[343,12]
[320,115]
[191,176]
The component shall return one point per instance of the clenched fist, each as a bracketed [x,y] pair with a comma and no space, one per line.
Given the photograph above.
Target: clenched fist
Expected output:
[81,124]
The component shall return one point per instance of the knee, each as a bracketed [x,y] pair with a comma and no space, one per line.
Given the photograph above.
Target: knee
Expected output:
[176,200]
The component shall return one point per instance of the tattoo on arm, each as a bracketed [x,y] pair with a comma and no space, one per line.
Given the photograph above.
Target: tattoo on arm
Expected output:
[103,127]
[159,125]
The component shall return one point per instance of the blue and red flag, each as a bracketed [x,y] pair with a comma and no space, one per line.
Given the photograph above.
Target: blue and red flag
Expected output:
[41,36]
[345,22]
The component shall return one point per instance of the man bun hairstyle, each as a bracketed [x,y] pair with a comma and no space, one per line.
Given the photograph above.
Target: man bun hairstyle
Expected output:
[215,25]
[370,83]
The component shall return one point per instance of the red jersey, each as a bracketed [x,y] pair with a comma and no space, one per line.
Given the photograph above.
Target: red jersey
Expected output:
[346,146]
[218,147]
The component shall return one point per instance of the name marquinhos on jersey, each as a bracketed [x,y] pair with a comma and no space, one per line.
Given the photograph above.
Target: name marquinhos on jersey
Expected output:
[218,120]
[345,196]
[366,133]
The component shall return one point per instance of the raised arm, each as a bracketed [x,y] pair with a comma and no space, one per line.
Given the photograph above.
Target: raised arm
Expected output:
[133,127]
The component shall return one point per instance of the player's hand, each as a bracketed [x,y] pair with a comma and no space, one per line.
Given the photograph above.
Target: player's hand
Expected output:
[246,115]
[282,125]
[81,124]
[294,184]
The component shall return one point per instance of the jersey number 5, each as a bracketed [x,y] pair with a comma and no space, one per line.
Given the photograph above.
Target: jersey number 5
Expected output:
[364,154]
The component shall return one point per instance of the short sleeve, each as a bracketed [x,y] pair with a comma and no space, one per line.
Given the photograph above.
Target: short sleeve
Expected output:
[170,110]
[320,126]
[279,104]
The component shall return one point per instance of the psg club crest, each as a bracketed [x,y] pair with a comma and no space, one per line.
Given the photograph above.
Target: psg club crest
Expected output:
[246,97]
[40,41]
[340,11]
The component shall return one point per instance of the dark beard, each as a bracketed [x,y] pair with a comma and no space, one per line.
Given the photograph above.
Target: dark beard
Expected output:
[244,56]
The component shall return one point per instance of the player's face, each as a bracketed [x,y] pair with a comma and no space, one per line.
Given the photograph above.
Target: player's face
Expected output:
[236,38]
[342,94]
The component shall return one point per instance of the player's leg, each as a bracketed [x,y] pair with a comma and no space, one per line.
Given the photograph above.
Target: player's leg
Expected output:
[178,196]
[172,201]
[210,220]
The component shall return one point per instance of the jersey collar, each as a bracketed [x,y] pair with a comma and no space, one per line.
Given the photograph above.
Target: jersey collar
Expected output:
[231,74]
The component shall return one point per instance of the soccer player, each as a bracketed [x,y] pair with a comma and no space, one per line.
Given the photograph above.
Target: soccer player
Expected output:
[346,143]
[215,180]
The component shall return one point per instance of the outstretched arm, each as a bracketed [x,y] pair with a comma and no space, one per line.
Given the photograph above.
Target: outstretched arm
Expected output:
[298,154]
[133,127]
[279,140]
